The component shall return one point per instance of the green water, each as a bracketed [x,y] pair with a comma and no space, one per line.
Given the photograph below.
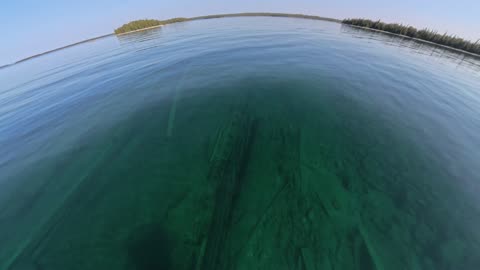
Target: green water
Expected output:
[244,143]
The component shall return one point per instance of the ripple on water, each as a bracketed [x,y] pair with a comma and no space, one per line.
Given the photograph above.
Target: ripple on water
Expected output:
[241,143]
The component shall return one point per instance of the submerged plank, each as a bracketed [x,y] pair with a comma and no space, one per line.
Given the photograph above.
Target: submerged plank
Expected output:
[228,163]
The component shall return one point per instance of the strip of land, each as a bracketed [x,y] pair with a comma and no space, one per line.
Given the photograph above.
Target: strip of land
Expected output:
[140,25]
[139,30]
[424,35]
[143,25]
[58,49]
[427,35]
[416,39]
[4,66]
[266,14]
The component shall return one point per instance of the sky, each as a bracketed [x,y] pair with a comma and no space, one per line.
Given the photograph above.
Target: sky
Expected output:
[34,26]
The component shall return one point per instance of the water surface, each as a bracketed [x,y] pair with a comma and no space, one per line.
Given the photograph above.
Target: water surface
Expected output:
[241,143]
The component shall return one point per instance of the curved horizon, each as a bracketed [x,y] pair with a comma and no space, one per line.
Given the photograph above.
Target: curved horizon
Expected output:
[224,15]
[52,24]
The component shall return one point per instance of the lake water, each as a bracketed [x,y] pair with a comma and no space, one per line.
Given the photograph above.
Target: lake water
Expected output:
[241,143]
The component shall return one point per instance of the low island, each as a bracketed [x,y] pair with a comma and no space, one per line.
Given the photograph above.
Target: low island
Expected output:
[426,35]
[146,24]
[449,41]
[141,25]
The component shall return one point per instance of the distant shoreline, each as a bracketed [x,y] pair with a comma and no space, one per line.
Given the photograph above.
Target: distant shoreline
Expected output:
[57,49]
[139,30]
[430,36]
[230,15]
[227,15]
[266,14]
[416,39]
[4,66]
[248,14]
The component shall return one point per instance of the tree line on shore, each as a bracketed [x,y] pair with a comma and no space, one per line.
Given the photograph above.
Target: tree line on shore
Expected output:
[423,34]
[142,24]
[395,28]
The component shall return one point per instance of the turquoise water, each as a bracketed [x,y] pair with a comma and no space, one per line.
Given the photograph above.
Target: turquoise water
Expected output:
[241,143]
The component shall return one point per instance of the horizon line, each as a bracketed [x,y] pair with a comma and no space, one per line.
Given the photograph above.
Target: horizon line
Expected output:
[213,16]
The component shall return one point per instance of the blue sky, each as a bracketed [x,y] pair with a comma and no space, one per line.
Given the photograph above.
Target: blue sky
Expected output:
[34,26]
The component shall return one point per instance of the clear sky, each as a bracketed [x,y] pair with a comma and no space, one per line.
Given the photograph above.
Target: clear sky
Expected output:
[34,26]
